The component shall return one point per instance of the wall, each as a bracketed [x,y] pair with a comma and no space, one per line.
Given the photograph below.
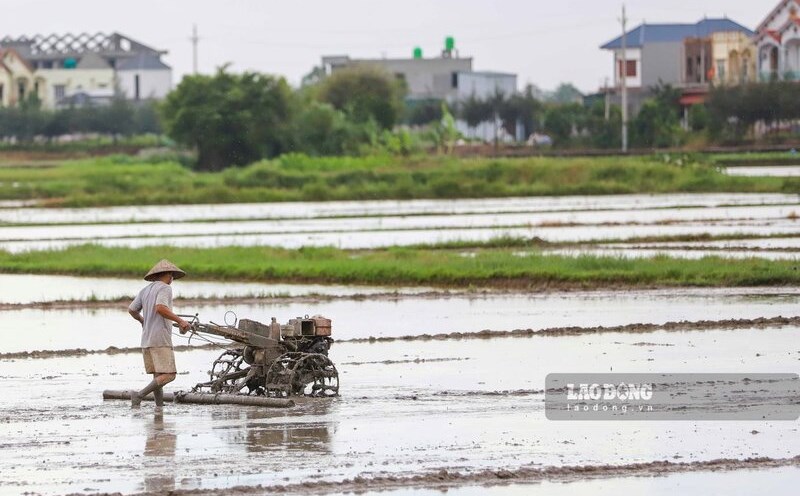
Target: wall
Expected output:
[484,85]
[425,78]
[630,54]
[73,80]
[19,72]
[153,83]
[661,61]
[728,44]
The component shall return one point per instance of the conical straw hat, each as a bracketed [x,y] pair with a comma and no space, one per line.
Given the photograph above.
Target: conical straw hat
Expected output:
[164,266]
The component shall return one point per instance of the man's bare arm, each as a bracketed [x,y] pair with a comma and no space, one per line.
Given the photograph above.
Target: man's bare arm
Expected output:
[137,316]
[165,312]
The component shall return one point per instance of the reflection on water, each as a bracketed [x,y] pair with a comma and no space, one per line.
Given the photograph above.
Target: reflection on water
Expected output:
[300,210]
[159,456]
[305,428]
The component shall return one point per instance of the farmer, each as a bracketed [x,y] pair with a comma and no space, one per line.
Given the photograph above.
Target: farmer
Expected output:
[153,308]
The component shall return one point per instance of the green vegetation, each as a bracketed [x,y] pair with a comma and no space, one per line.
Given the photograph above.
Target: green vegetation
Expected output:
[29,122]
[120,180]
[408,266]
[229,119]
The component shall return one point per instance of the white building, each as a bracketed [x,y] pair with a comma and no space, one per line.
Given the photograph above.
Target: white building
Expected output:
[144,77]
[778,43]
[448,77]
[483,85]
[92,66]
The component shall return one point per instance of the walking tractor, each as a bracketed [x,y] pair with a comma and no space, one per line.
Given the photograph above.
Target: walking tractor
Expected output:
[272,360]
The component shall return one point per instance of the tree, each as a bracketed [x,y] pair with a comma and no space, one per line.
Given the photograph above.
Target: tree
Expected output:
[320,129]
[566,93]
[605,133]
[520,108]
[364,93]
[421,112]
[657,125]
[230,119]
[562,121]
[474,111]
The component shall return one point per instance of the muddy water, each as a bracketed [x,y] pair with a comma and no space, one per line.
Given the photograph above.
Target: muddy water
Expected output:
[764,170]
[304,210]
[693,253]
[28,288]
[402,418]
[753,214]
[378,239]
[779,481]
[412,315]
[379,224]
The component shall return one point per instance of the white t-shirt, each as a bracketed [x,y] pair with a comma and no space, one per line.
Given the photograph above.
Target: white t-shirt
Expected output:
[156,331]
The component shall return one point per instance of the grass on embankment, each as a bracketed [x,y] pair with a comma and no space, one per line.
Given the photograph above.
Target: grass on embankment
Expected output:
[405,266]
[128,181]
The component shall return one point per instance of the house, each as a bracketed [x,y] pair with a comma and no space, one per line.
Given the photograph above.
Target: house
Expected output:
[425,78]
[17,78]
[448,78]
[777,43]
[99,63]
[681,55]
[484,85]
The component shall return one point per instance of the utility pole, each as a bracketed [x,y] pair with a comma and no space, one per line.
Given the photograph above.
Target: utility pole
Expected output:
[624,77]
[607,102]
[194,40]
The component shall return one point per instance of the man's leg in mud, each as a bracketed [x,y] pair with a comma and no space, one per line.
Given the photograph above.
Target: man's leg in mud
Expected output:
[162,380]
[159,380]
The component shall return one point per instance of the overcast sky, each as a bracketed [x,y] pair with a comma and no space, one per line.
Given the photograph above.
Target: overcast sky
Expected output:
[545,42]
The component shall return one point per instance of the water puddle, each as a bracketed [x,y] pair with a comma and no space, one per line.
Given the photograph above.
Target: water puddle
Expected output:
[367,239]
[308,210]
[30,288]
[98,329]
[764,170]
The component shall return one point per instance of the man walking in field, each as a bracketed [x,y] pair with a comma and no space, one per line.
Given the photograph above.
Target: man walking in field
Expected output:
[153,308]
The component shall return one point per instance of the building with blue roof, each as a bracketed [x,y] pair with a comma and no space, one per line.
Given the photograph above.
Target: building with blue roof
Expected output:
[684,55]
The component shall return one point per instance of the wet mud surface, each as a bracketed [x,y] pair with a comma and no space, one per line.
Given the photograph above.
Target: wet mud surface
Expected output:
[441,391]
[473,409]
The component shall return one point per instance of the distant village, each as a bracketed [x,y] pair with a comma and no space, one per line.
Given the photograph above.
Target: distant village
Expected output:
[91,69]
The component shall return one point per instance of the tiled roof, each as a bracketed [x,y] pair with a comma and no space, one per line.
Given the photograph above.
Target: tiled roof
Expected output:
[664,33]
[141,61]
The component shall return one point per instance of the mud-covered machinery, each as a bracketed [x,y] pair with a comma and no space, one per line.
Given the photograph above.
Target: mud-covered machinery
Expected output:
[277,360]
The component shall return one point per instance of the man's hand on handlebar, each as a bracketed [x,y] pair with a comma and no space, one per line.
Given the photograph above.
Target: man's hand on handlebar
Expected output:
[184,326]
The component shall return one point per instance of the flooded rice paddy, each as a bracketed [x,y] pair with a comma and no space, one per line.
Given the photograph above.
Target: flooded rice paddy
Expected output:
[405,410]
[419,413]
[764,170]
[375,224]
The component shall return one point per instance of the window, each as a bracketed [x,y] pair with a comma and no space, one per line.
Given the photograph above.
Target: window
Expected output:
[630,68]
[454,80]
[721,69]
[689,70]
[21,91]
[136,87]
[59,92]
